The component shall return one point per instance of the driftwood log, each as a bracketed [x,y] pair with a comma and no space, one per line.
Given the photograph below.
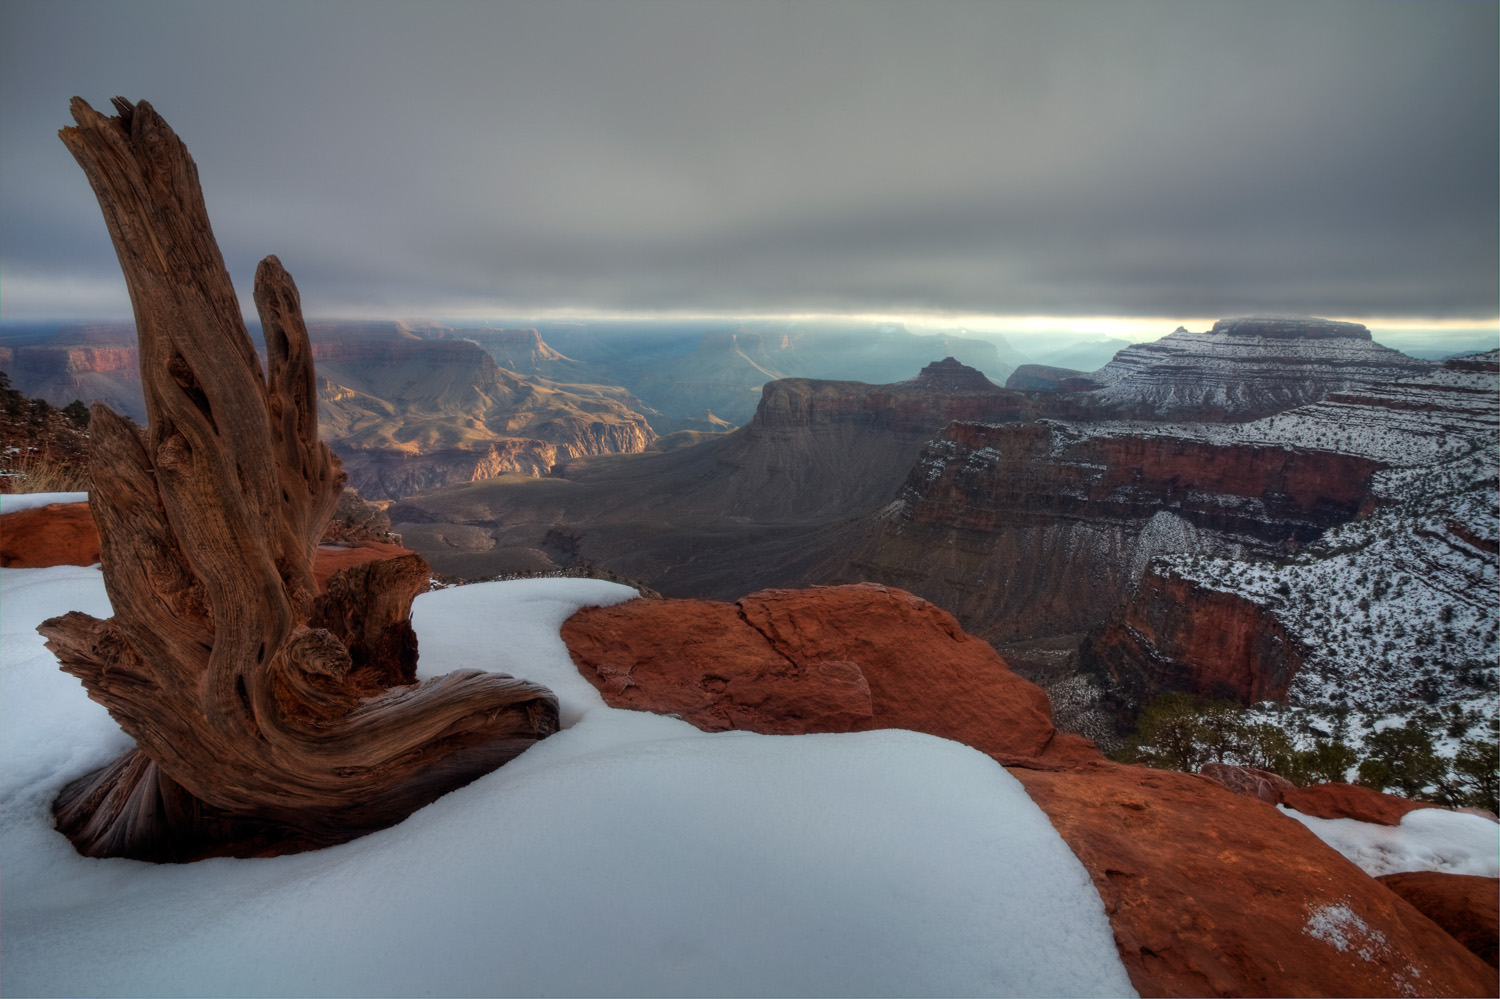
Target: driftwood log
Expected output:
[268,716]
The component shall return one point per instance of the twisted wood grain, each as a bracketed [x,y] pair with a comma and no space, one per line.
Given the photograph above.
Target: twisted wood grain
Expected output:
[255,729]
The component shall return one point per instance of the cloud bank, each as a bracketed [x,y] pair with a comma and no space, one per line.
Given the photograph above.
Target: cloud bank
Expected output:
[1128,159]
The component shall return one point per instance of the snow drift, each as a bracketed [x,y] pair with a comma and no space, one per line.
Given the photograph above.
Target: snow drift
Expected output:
[630,854]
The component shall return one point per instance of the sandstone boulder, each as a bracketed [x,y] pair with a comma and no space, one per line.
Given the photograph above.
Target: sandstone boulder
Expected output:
[1468,907]
[699,660]
[1211,892]
[826,659]
[55,534]
[1350,801]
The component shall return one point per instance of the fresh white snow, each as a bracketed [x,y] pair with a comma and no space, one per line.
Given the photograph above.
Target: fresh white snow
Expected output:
[14,502]
[630,854]
[1428,839]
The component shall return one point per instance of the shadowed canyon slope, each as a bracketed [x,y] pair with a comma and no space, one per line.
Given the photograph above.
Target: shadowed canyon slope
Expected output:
[760,501]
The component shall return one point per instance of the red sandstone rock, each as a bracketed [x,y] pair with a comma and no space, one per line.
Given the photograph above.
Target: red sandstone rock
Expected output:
[65,534]
[1350,801]
[1211,892]
[1468,907]
[332,558]
[1260,784]
[55,534]
[701,661]
[1174,634]
[828,659]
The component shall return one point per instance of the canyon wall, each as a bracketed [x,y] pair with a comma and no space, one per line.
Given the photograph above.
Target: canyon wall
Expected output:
[1179,634]
[1389,609]
[87,363]
[409,415]
[1029,529]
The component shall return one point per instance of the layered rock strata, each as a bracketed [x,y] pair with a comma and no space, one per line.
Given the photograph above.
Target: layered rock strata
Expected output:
[95,363]
[1241,369]
[1176,635]
[1040,528]
[1397,606]
[410,415]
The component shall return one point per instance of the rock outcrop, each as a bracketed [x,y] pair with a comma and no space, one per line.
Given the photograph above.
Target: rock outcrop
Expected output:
[1468,907]
[1350,801]
[1213,893]
[55,534]
[1209,891]
[1256,783]
[1175,634]
[828,659]
[942,392]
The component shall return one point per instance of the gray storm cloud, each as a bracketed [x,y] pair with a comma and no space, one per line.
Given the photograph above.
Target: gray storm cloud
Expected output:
[1124,158]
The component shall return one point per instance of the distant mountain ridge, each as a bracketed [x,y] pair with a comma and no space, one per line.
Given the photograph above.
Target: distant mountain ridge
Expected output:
[1241,369]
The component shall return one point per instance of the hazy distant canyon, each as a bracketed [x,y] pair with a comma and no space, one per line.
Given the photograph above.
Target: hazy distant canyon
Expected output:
[1266,510]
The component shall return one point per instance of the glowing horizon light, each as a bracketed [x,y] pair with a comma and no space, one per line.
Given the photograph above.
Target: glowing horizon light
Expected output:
[93,298]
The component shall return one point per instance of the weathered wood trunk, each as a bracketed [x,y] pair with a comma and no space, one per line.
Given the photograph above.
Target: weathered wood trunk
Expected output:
[262,710]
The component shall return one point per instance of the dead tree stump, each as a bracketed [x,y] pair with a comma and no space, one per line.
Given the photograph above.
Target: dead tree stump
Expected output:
[263,711]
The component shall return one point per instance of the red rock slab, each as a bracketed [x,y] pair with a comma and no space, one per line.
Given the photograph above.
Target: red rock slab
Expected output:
[1350,801]
[1214,893]
[925,673]
[699,660]
[825,659]
[55,534]
[64,534]
[1468,907]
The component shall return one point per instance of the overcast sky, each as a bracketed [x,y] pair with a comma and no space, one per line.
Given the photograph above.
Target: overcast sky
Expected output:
[1126,159]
